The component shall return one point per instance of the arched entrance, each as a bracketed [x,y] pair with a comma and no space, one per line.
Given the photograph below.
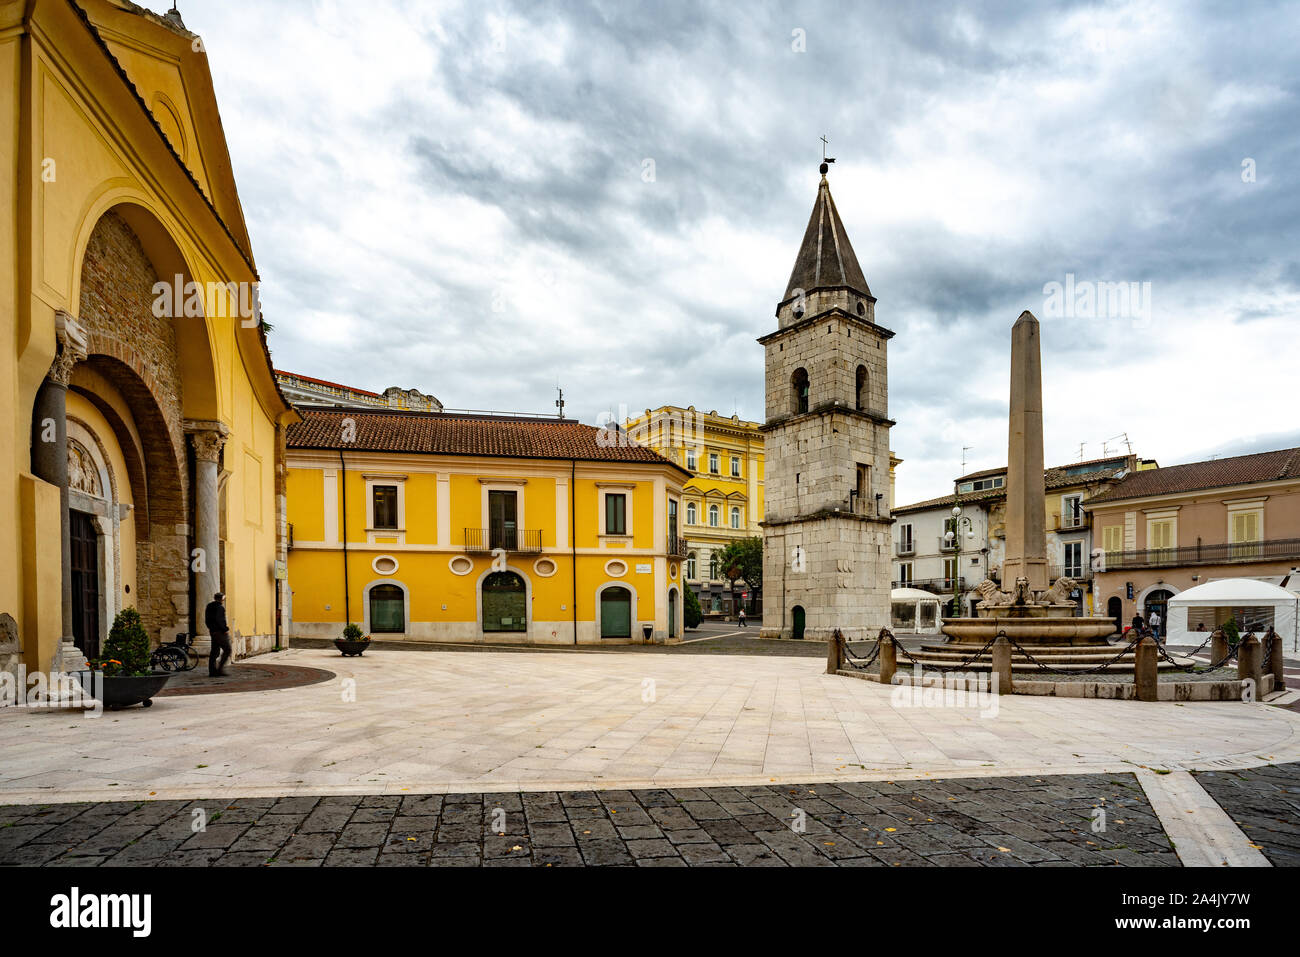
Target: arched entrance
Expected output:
[1158,601]
[505,603]
[797,616]
[1115,609]
[616,613]
[387,610]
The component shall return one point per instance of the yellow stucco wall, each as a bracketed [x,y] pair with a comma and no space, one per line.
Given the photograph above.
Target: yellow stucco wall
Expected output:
[81,146]
[442,604]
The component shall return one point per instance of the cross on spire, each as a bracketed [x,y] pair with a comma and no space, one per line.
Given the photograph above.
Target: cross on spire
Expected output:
[826,160]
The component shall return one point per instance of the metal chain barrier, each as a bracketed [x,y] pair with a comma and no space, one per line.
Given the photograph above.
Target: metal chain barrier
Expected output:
[962,665]
[1081,671]
[849,652]
[1193,669]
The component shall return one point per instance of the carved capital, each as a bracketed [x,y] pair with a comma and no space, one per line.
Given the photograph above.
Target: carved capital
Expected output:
[207,437]
[208,445]
[73,346]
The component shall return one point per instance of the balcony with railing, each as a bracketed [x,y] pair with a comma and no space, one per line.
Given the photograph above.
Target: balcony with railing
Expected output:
[907,547]
[947,544]
[677,547]
[939,586]
[518,540]
[1223,553]
[1069,522]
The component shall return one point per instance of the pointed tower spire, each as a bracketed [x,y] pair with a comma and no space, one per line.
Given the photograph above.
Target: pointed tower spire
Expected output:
[826,258]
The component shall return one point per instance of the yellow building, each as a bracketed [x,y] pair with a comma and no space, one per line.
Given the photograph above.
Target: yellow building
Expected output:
[722,502]
[138,443]
[479,528]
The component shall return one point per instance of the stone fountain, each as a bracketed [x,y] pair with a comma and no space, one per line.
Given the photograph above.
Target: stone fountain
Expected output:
[1042,619]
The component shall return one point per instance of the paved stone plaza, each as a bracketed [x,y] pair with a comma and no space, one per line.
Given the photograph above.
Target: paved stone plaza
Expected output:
[983,822]
[393,727]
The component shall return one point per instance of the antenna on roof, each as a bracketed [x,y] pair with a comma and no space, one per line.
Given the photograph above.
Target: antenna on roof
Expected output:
[559,403]
[964,450]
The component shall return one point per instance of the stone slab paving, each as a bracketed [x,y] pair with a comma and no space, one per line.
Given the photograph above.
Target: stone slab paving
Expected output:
[982,822]
[395,722]
[1265,803]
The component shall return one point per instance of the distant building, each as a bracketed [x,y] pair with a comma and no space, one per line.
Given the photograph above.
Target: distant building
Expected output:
[721,503]
[306,391]
[1165,530]
[926,558]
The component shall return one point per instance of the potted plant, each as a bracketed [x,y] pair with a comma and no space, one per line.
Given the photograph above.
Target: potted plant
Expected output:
[353,643]
[124,673]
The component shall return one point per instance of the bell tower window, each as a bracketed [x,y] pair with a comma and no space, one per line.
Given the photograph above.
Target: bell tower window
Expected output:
[800,383]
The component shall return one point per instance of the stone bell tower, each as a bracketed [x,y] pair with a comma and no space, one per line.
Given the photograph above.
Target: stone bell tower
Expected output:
[826,534]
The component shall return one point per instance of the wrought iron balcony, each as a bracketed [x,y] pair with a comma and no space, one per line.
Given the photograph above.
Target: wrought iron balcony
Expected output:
[677,547]
[517,540]
[939,586]
[1276,549]
[1069,523]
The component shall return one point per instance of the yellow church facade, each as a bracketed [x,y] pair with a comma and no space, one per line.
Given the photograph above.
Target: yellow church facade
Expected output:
[443,527]
[141,423]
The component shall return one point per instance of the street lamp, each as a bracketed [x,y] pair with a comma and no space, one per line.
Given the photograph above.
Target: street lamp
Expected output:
[952,537]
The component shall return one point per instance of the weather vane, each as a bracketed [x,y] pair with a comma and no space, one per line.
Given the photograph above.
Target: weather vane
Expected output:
[826,160]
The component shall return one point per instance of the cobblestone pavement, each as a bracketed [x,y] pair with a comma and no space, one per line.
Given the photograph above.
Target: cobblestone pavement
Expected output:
[1265,804]
[989,822]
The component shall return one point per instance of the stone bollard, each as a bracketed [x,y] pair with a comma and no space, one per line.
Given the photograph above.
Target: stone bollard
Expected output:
[1250,665]
[1218,646]
[1002,664]
[835,653]
[1144,670]
[1277,661]
[888,659]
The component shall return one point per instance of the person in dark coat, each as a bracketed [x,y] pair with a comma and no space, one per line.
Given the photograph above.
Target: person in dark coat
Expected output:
[214,616]
[1139,625]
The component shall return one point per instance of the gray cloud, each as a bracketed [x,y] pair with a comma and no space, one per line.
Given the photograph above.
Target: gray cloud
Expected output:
[467,213]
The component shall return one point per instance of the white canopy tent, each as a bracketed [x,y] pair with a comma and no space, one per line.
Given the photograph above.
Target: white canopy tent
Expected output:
[914,610]
[1256,606]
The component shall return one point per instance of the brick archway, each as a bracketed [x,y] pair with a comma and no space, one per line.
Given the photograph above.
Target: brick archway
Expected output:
[134,353]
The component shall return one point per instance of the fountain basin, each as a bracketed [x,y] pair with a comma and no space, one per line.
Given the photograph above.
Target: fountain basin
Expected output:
[1030,630]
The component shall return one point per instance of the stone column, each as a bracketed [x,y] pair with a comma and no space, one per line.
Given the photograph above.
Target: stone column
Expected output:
[888,659]
[208,438]
[1250,661]
[1026,548]
[50,463]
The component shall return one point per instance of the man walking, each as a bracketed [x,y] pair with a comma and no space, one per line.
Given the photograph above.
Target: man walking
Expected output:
[214,616]
[1154,619]
[740,617]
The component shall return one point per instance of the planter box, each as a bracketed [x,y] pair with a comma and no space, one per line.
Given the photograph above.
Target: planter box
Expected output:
[351,649]
[123,692]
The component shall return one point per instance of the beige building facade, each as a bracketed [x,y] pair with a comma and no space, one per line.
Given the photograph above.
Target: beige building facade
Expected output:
[1162,531]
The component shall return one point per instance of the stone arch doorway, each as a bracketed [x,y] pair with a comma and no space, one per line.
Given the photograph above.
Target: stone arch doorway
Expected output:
[1158,601]
[1115,609]
[505,603]
[616,612]
[797,619]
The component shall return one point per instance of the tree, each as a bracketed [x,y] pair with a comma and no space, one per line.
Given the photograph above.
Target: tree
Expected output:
[742,560]
[694,615]
[127,648]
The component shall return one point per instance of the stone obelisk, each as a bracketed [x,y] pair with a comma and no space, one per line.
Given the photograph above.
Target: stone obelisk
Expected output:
[1026,555]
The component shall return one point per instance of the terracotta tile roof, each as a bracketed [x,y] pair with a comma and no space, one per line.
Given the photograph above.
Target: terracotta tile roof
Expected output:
[435,433]
[1215,473]
[1056,477]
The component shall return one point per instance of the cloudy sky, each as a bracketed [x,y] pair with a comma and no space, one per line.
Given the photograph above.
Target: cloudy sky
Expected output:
[485,200]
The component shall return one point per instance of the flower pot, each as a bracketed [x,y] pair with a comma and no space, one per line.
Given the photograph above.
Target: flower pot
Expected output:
[123,691]
[350,648]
